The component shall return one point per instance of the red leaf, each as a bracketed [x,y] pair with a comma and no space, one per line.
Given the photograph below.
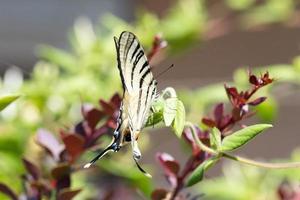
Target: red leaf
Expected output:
[266,79]
[61,170]
[47,140]
[107,107]
[257,101]
[170,166]
[158,44]
[168,162]
[253,80]
[32,169]
[6,190]
[116,100]
[218,112]
[93,116]
[61,173]
[202,135]
[111,123]
[231,91]
[74,145]
[173,166]
[97,133]
[67,194]
[159,194]
[208,122]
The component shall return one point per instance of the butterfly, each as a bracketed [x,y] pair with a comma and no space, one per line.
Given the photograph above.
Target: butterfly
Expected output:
[139,92]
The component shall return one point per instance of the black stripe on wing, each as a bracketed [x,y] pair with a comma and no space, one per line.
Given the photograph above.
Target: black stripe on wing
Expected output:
[123,46]
[119,62]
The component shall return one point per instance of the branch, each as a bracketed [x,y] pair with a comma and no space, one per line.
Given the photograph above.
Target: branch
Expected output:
[239,158]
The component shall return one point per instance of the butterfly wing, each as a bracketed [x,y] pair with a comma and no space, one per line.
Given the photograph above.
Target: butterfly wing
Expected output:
[138,83]
[139,92]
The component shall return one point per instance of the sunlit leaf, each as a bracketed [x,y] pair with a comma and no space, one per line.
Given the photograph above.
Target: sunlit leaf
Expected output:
[170,111]
[242,136]
[215,138]
[6,100]
[179,121]
[197,174]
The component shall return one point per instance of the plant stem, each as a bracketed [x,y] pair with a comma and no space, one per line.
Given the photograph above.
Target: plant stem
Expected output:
[198,141]
[239,158]
[262,164]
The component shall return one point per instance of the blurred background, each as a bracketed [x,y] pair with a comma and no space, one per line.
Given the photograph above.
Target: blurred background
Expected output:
[52,51]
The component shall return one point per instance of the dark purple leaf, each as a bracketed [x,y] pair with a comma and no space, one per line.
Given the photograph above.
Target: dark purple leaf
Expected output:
[96,135]
[208,122]
[32,169]
[63,182]
[231,91]
[170,166]
[61,170]
[47,140]
[225,122]
[67,194]
[61,173]
[236,113]
[253,80]
[266,79]
[202,135]
[79,129]
[116,100]
[107,107]
[158,44]
[285,191]
[257,101]
[7,191]
[93,116]
[74,145]
[188,136]
[111,123]
[218,112]
[159,194]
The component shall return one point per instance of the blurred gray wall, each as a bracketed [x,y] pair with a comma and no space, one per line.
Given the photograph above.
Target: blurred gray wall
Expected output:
[25,24]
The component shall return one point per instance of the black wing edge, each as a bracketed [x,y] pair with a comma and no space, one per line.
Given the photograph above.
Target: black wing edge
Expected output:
[119,62]
[117,45]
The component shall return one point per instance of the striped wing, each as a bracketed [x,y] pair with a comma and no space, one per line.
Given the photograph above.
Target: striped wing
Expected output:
[137,80]
[139,92]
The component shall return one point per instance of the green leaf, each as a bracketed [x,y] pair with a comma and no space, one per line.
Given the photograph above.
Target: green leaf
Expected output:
[197,174]
[215,138]
[6,100]
[156,114]
[179,121]
[242,136]
[154,118]
[170,110]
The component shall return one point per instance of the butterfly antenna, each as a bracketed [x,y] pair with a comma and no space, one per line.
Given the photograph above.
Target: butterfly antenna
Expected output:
[141,169]
[161,73]
[100,155]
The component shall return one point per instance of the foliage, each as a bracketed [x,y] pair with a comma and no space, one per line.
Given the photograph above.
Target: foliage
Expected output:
[55,125]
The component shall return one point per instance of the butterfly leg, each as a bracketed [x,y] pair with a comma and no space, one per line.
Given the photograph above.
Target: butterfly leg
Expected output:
[135,149]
